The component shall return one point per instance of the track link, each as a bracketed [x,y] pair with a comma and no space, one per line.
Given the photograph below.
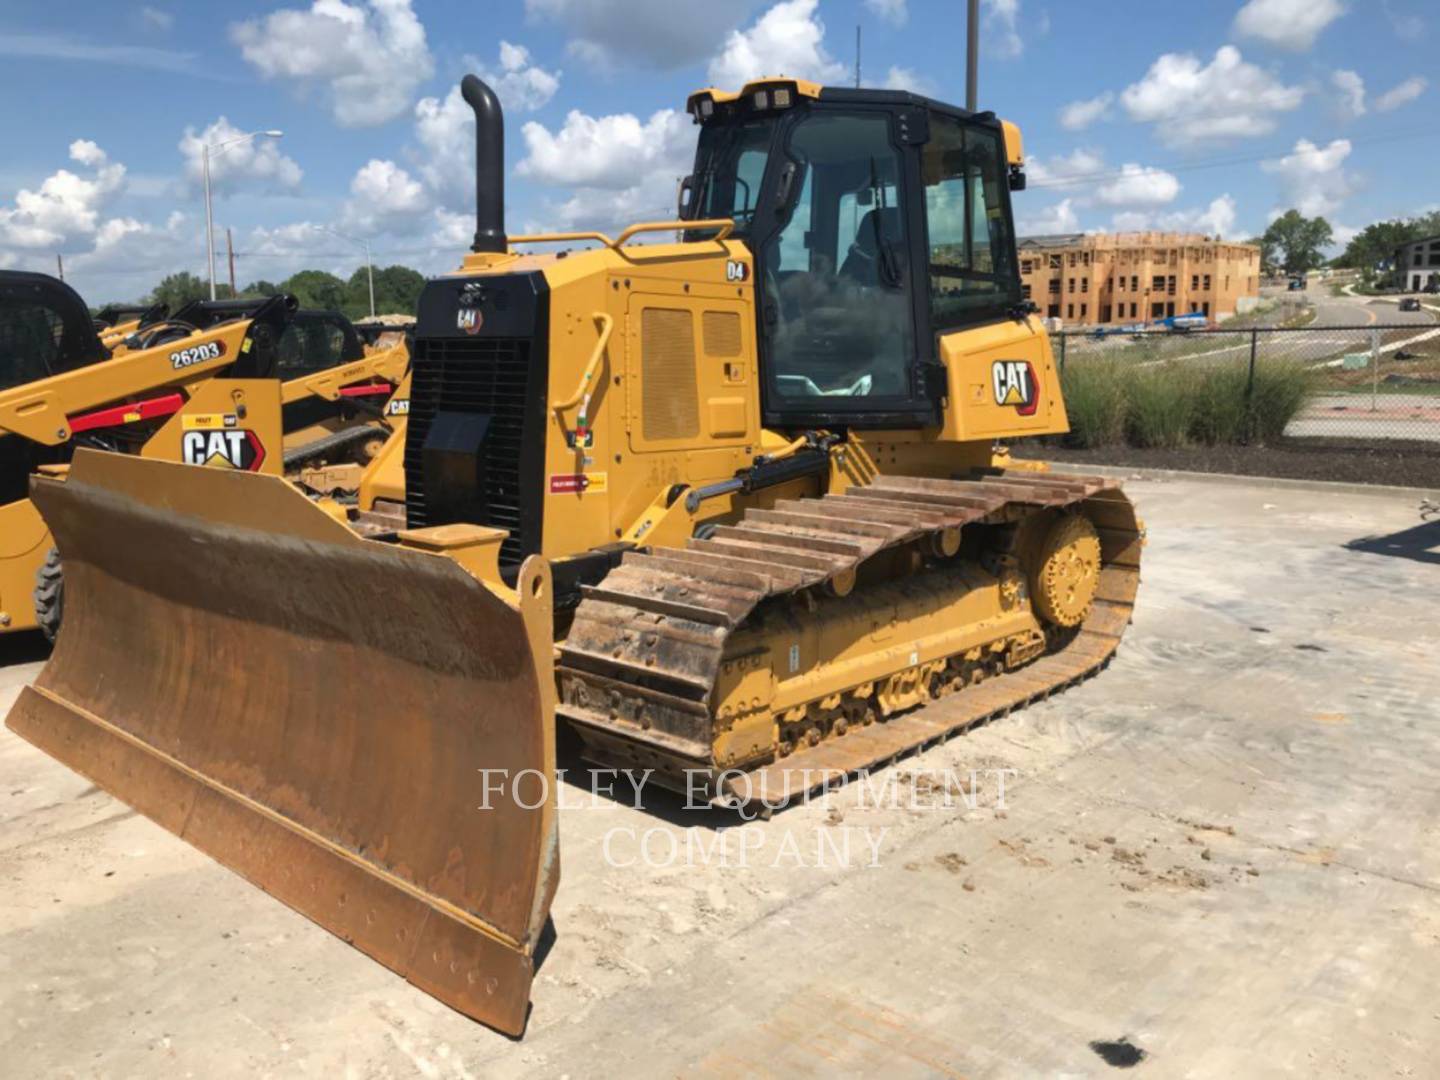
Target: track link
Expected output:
[645,650]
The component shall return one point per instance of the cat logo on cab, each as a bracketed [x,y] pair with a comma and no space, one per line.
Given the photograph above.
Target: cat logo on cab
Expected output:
[1014,384]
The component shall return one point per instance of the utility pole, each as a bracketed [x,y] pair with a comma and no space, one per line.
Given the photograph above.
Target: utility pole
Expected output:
[857,56]
[230,255]
[972,69]
[60,265]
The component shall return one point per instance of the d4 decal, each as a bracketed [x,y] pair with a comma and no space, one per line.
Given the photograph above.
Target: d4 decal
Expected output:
[1015,384]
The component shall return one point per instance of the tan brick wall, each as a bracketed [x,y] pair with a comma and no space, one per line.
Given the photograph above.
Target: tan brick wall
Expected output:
[1117,278]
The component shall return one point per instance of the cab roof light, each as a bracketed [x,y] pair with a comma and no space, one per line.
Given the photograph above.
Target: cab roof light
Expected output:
[782,97]
[762,99]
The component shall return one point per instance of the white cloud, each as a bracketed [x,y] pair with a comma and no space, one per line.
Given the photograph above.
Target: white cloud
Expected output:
[787,40]
[1313,179]
[1060,218]
[1081,114]
[891,11]
[70,48]
[1216,219]
[1079,167]
[608,152]
[520,85]
[1002,27]
[1288,24]
[617,168]
[1405,92]
[156,19]
[446,132]
[369,56]
[66,206]
[1137,186]
[1192,102]
[258,159]
[903,78]
[1351,88]
[623,34]
[383,195]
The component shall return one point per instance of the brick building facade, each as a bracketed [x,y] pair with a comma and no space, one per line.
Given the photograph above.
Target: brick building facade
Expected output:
[1118,278]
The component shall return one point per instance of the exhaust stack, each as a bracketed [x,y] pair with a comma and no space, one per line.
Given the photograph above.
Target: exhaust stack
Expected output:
[489,165]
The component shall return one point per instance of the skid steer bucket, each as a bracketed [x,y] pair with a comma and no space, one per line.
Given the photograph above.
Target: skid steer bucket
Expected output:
[315,711]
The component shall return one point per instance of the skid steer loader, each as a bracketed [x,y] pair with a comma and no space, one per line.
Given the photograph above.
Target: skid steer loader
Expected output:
[747,481]
[62,388]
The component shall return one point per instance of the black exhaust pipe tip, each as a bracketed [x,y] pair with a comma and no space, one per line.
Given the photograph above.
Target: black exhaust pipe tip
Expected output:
[489,165]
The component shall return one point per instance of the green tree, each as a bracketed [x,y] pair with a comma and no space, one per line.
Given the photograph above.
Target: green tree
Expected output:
[397,290]
[315,289]
[260,288]
[177,290]
[1298,241]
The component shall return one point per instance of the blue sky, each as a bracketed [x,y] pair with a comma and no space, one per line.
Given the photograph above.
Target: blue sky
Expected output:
[1209,115]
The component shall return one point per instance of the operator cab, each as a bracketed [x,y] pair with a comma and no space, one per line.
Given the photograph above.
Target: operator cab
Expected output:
[877,220]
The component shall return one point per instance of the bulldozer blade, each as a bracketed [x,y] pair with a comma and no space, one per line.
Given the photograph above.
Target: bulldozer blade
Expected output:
[314,710]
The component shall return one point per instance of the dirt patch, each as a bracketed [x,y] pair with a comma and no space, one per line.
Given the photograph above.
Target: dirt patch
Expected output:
[1355,461]
[951,862]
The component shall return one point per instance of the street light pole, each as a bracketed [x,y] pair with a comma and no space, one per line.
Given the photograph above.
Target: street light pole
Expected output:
[370,272]
[369,263]
[219,148]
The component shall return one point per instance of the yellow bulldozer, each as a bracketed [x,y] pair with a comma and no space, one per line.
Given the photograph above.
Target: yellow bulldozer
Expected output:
[153,390]
[727,506]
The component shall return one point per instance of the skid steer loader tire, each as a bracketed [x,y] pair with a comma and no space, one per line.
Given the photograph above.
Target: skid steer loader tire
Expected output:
[50,595]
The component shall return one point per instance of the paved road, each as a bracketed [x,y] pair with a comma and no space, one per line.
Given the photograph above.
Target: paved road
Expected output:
[1225,848]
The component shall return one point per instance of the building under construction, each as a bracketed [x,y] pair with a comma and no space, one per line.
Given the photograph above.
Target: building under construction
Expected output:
[1110,278]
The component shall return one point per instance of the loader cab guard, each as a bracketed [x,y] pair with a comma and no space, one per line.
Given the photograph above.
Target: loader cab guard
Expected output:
[877,220]
[45,329]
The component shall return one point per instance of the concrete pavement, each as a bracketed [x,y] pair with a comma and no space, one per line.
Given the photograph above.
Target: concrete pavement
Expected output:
[1221,853]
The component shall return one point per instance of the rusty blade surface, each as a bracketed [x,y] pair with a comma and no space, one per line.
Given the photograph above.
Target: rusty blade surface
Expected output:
[314,711]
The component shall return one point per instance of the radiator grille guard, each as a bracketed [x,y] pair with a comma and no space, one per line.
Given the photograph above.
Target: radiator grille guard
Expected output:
[475,449]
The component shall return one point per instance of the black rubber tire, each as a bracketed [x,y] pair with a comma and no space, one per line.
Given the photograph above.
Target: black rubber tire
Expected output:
[50,595]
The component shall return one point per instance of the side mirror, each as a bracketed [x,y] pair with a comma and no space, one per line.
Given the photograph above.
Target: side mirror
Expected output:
[683,208]
[1017,178]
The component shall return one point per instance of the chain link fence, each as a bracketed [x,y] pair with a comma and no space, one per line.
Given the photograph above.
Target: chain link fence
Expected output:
[1160,387]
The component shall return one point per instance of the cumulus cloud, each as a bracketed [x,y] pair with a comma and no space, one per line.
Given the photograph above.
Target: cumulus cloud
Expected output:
[1287,24]
[1215,219]
[786,40]
[663,34]
[1351,88]
[1060,218]
[1228,98]
[891,11]
[903,78]
[1081,114]
[445,129]
[383,195]
[1313,179]
[1405,92]
[1002,27]
[607,151]
[369,57]
[66,206]
[1085,172]
[521,85]
[257,160]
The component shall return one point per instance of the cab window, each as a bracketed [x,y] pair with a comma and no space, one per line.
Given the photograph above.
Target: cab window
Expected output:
[836,301]
[972,276]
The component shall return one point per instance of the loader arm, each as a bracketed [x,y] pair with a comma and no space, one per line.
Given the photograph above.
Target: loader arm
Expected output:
[40,411]
[389,365]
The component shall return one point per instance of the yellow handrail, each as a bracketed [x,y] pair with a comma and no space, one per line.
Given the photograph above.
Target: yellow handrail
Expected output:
[585,391]
[546,238]
[725,225]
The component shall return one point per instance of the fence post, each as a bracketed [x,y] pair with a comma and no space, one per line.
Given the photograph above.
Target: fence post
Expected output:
[1250,387]
[1062,336]
[1374,369]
